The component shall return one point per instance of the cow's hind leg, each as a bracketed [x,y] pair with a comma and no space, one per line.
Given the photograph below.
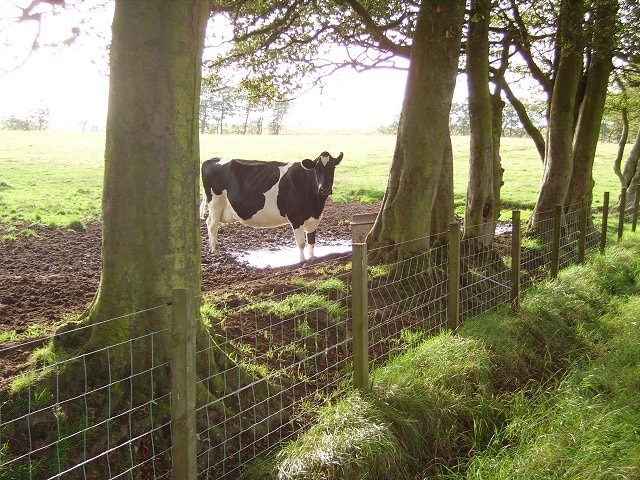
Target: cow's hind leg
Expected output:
[298,233]
[311,243]
[213,223]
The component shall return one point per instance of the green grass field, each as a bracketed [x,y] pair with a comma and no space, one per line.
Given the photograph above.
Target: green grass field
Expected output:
[55,178]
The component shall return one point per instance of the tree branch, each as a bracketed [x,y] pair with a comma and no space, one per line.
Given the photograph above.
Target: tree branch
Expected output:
[375,31]
[525,120]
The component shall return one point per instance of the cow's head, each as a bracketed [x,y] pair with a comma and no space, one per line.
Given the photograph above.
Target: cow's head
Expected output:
[324,166]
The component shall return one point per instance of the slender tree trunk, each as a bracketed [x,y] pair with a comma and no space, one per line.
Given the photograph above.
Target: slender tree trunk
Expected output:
[498,171]
[479,212]
[442,216]
[558,166]
[404,222]
[592,107]
[631,175]
[526,122]
[622,143]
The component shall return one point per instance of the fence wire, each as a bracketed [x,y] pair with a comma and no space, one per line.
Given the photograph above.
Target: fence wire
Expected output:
[100,414]
[265,361]
[270,364]
[407,301]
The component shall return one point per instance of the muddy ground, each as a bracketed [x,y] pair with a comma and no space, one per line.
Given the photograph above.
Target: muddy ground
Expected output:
[56,272]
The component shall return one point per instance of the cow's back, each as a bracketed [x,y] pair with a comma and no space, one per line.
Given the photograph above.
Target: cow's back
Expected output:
[243,182]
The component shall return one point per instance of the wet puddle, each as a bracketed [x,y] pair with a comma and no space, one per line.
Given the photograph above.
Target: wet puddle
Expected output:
[283,257]
[503,228]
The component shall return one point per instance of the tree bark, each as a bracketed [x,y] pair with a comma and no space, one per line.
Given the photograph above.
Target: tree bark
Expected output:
[592,107]
[558,166]
[442,216]
[151,234]
[404,222]
[631,176]
[480,206]
[622,143]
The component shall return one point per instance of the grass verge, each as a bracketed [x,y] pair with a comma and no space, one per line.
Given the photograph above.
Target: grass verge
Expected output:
[549,393]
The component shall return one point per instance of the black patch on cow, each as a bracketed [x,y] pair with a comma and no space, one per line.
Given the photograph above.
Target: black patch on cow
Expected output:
[246,182]
[298,198]
[311,238]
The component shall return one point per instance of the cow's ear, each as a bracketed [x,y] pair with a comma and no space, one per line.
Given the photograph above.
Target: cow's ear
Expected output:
[339,159]
[308,164]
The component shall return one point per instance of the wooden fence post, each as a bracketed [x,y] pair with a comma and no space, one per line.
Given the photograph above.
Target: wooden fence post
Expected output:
[183,384]
[623,206]
[636,203]
[555,241]
[360,226]
[582,238]
[453,282]
[516,244]
[605,219]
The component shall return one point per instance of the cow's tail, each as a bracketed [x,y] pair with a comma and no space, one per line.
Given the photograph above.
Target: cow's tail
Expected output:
[203,205]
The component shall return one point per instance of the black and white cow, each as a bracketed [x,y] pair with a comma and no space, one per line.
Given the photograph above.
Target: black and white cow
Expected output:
[268,194]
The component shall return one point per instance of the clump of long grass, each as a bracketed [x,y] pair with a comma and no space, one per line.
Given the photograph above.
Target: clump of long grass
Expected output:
[586,426]
[455,397]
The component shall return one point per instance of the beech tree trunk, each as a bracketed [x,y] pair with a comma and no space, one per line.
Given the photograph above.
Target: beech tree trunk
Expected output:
[631,176]
[405,219]
[592,107]
[442,216]
[631,173]
[480,208]
[558,166]
[151,233]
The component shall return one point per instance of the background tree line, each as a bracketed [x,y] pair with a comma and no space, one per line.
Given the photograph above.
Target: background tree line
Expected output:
[37,119]
[227,109]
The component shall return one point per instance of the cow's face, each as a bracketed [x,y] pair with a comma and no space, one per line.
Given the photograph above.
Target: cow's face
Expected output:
[324,167]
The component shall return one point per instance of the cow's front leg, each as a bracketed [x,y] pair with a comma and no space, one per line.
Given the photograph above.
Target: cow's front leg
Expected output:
[311,243]
[298,233]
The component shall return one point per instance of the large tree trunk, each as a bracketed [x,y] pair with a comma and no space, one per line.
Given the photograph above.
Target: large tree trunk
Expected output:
[592,107]
[481,205]
[558,166]
[404,221]
[151,234]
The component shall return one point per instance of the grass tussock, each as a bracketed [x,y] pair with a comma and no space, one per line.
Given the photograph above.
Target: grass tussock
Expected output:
[552,392]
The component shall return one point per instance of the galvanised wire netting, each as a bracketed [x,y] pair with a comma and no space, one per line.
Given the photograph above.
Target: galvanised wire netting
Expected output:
[103,413]
[265,360]
[407,300]
[269,363]
[535,264]
[485,276]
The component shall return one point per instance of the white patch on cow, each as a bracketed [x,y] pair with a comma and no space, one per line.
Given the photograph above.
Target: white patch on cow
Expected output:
[311,224]
[267,217]
[224,160]
[325,159]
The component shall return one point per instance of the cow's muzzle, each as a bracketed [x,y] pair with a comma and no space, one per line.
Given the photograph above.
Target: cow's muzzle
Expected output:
[324,191]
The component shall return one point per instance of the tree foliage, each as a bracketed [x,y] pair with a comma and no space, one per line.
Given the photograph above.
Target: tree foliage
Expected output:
[282,47]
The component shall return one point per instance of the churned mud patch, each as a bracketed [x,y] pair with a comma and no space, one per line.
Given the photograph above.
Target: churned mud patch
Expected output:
[55,272]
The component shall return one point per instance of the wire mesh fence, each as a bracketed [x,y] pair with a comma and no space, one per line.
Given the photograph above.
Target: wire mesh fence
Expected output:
[263,361]
[98,414]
